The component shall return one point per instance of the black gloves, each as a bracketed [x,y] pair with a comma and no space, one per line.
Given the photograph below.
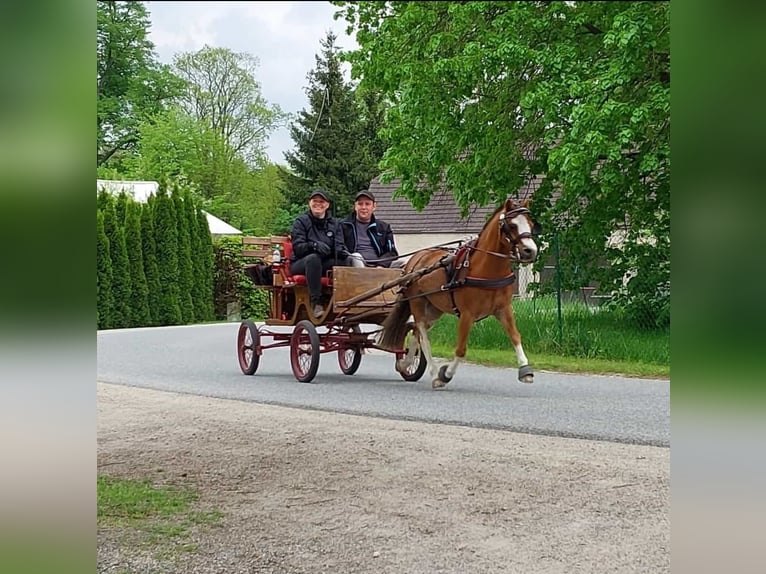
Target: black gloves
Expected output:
[322,248]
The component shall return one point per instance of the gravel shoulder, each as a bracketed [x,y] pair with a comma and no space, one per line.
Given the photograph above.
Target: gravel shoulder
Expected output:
[304,491]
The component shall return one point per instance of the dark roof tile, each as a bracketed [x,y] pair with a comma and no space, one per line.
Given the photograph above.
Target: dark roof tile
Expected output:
[441,215]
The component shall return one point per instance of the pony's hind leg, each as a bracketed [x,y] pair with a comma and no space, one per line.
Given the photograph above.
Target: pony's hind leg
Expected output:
[425,316]
[406,362]
[505,316]
[425,349]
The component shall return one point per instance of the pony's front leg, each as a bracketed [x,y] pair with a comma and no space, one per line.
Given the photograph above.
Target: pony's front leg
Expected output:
[446,372]
[506,318]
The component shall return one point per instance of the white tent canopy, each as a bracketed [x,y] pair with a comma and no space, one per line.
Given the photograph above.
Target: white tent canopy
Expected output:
[141,190]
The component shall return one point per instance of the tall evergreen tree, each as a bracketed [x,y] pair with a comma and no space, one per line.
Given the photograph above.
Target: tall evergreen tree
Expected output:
[185,275]
[207,257]
[151,270]
[120,207]
[166,237]
[197,263]
[139,291]
[120,271]
[332,150]
[103,275]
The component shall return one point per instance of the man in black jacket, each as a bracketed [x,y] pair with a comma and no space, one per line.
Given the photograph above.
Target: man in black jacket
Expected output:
[368,241]
[316,246]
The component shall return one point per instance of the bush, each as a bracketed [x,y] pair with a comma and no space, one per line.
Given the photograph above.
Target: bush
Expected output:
[232,285]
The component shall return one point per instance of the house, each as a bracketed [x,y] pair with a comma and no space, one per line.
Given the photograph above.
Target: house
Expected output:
[439,223]
[141,190]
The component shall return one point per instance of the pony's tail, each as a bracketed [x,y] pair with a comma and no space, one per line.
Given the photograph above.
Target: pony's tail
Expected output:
[395,326]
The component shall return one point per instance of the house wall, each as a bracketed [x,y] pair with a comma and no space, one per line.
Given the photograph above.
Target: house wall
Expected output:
[407,243]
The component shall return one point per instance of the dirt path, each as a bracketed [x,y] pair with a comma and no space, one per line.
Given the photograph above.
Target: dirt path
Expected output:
[310,492]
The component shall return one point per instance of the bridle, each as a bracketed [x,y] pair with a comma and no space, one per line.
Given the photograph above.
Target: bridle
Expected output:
[505,230]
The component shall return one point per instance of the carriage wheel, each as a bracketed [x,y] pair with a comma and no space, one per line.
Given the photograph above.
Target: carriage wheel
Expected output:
[418,366]
[248,347]
[349,358]
[304,351]
[416,369]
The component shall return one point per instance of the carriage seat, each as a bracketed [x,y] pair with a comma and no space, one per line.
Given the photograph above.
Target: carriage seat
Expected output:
[264,271]
[287,249]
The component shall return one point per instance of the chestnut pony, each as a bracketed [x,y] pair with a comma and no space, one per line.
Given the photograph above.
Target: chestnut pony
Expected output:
[473,283]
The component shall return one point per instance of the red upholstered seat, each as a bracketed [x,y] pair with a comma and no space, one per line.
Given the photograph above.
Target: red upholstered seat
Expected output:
[297,279]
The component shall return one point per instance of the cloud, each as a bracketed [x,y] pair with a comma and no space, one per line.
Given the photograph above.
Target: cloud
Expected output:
[284,37]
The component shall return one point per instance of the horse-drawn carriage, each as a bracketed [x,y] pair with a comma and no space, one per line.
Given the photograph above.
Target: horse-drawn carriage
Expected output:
[472,281]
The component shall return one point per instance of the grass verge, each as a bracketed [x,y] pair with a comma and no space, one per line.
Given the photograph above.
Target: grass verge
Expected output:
[546,362]
[161,516]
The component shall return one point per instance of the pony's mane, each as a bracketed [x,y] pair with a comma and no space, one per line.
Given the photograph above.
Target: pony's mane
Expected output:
[492,217]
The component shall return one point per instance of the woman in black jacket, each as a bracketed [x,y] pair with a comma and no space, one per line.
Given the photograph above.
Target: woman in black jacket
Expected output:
[316,246]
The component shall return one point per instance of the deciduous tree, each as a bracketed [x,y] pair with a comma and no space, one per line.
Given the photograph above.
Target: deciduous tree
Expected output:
[485,95]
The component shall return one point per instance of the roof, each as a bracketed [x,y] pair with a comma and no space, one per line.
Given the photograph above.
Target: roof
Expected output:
[441,215]
[141,190]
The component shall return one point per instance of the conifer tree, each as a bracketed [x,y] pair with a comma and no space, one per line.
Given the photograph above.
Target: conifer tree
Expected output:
[185,275]
[103,275]
[120,271]
[120,207]
[166,237]
[152,272]
[198,268]
[139,291]
[207,257]
[332,150]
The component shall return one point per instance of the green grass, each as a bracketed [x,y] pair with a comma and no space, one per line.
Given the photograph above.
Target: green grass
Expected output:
[591,340]
[164,515]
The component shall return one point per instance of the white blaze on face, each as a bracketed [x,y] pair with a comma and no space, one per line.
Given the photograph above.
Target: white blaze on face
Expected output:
[527,246]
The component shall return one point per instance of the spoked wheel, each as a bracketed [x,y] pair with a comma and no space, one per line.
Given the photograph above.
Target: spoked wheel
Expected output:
[416,369]
[349,358]
[304,351]
[419,364]
[248,347]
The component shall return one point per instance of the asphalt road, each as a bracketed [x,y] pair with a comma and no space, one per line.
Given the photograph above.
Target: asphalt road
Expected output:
[202,360]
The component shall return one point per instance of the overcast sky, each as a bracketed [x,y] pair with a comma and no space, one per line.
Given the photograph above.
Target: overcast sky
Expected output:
[284,36]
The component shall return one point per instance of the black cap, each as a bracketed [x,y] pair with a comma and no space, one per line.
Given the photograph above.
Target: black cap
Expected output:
[321,193]
[365,193]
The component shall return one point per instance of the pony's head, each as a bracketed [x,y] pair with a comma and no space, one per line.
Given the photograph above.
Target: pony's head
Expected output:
[519,228]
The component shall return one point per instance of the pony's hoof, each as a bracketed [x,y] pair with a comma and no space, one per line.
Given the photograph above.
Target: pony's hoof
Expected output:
[438,383]
[526,374]
[443,374]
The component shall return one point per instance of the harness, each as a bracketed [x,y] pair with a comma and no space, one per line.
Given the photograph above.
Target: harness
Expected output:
[457,275]
[457,263]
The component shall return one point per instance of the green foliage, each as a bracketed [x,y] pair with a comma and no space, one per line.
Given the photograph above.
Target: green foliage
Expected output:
[185,274]
[207,262]
[131,84]
[151,269]
[336,139]
[221,91]
[233,285]
[139,290]
[166,238]
[104,299]
[486,94]
[171,145]
[115,233]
